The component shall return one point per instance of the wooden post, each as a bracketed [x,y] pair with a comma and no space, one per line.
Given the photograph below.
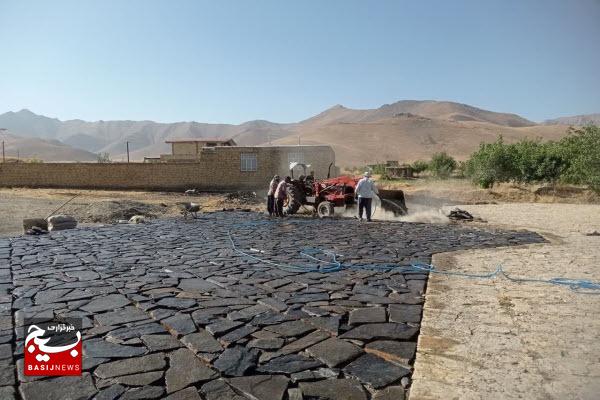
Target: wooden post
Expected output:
[127,152]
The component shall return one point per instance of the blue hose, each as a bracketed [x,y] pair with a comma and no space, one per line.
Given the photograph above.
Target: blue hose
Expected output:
[581,286]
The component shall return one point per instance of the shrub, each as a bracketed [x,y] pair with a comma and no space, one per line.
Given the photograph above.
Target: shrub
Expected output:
[442,165]
[420,166]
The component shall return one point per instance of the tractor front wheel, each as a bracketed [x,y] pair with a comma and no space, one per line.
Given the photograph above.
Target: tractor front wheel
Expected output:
[325,209]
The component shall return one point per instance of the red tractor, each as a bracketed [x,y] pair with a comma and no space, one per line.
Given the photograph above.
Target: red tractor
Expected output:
[324,195]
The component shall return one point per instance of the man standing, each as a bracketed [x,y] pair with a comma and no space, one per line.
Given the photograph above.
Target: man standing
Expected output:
[271,195]
[281,195]
[365,190]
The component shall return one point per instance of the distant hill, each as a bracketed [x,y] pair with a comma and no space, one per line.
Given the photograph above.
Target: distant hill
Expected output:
[578,120]
[145,137]
[42,149]
[410,137]
[405,130]
[428,108]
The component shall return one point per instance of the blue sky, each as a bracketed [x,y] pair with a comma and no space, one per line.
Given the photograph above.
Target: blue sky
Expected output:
[233,61]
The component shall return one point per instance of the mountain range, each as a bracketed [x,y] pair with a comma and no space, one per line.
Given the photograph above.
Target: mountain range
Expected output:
[406,130]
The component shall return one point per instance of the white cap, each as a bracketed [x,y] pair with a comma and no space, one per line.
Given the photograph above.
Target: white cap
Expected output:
[367,174]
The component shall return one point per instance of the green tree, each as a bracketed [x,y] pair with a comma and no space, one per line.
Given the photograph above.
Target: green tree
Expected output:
[104,158]
[442,165]
[581,152]
[492,163]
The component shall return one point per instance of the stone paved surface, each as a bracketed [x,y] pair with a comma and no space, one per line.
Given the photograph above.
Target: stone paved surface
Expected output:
[170,309]
[496,339]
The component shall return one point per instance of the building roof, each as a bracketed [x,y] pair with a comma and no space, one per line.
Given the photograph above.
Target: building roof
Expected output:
[200,140]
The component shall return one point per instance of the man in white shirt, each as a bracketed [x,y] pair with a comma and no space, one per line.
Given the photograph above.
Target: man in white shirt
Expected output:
[271,195]
[365,190]
[281,195]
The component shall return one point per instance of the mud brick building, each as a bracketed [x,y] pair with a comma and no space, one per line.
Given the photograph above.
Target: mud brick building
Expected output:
[222,167]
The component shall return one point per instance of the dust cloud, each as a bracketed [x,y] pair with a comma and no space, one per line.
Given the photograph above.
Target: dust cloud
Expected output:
[421,209]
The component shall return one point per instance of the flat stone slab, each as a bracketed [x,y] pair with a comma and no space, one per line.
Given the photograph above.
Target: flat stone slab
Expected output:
[334,352]
[131,366]
[367,315]
[106,303]
[202,342]
[381,331]
[405,313]
[196,285]
[334,389]
[289,364]
[143,379]
[261,387]
[179,324]
[219,389]
[170,307]
[236,361]
[186,369]
[121,316]
[160,342]
[291,328]
[64,387]
[392,350]
[100,348]
[390,393]
[375,371]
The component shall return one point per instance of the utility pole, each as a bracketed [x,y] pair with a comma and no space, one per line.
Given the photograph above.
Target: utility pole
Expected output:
[3,154]
[127,152]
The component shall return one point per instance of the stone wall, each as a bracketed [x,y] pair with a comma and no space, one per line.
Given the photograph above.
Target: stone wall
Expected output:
[217,168]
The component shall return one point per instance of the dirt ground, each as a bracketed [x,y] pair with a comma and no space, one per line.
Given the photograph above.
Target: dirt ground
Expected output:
[500,339]
[424,198]
[462,191]
[105,207]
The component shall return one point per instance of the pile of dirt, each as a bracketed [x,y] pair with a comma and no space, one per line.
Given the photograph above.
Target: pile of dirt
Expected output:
[112,211]
[242,198]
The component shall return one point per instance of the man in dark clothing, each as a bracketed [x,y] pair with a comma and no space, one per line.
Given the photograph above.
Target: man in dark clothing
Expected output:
[281,195]
[271,195]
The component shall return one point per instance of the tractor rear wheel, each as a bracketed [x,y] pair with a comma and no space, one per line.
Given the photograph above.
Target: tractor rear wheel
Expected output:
[325,209]
[295,199]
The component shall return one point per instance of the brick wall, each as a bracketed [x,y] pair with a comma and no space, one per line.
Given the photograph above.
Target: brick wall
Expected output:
[216,169]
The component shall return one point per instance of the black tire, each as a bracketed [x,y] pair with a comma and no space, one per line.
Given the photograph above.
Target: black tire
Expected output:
[325,209]
[295,199]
